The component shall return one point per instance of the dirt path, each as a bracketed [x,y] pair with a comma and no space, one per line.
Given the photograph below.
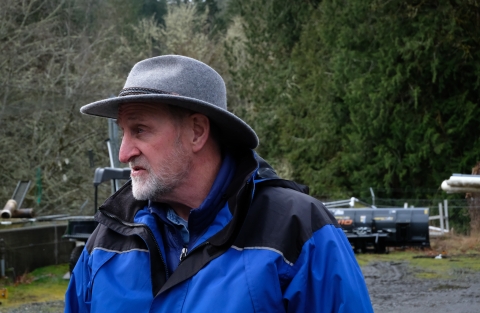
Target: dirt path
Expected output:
[394,289]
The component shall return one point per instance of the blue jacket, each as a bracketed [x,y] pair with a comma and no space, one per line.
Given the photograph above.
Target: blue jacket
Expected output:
[270,248]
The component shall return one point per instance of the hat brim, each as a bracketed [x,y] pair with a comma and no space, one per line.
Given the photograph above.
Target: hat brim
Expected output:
[239,132]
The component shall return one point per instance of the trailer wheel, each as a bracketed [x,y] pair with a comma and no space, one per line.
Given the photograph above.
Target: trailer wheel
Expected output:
[74,256]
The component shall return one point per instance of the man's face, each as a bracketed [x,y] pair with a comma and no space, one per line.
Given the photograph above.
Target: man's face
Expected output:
[152,145]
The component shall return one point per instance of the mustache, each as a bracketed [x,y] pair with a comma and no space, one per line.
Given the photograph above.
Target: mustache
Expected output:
[139,162]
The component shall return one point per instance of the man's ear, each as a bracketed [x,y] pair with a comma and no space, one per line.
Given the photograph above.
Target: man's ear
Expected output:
[200,130]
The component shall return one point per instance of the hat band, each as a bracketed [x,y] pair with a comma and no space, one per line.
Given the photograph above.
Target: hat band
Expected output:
[142,91]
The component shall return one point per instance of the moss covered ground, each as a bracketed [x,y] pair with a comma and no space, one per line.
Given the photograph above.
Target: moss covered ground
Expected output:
[42,285]
[448,257]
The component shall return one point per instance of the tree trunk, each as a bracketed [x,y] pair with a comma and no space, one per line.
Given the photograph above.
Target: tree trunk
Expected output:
[473,200]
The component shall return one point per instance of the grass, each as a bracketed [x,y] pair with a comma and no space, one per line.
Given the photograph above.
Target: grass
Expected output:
[460,256]
[42,285]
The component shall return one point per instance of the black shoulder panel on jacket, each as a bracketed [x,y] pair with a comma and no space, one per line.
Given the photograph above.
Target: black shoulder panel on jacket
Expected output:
[108,239]
[283,219]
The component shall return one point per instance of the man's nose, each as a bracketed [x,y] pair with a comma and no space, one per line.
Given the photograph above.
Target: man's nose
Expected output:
[128,150]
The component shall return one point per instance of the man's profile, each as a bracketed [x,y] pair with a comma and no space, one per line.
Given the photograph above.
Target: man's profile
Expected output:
[205,224]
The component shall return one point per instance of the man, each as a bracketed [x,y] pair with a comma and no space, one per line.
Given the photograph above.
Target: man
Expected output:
[205,225]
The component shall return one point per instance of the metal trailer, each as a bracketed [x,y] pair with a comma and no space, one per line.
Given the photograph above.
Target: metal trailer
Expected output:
[80,228]
[372,228]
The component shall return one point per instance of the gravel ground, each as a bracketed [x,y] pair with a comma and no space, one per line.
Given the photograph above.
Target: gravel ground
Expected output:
[393,289]
[40,307]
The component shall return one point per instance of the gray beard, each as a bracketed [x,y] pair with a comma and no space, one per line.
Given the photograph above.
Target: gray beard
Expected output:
[163,182]
[152,187]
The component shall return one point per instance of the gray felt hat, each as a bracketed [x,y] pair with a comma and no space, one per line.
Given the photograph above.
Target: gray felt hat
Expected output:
[179,81]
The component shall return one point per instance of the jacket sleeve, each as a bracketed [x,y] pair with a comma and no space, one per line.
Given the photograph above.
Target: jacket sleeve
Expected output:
[77,297]
[327,278]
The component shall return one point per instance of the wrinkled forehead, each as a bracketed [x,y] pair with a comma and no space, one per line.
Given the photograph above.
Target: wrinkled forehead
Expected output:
[140,111]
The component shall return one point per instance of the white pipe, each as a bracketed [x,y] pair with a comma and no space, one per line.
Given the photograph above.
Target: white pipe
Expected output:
[458,189]
[436,229]
[465,178]
[10,206]
[464,181]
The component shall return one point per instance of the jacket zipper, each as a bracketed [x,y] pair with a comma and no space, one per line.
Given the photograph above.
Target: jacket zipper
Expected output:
[185,251]
[149,231]
[183,254]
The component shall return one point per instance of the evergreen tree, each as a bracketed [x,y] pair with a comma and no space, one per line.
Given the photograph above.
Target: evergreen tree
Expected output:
[396,87]
[261,69]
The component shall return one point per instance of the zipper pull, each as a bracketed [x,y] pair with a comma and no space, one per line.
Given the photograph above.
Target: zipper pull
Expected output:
[183,254]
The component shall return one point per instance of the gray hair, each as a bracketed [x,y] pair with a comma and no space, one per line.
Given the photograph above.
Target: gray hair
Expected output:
[178,115]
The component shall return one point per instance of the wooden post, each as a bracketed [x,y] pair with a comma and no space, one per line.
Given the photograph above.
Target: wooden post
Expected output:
[440,211]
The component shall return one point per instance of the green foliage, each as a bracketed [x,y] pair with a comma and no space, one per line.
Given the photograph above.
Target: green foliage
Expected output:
[156,8]
[343,95]
[351,95]
[216,17]
[396,87]
[59,55]
[258,55]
